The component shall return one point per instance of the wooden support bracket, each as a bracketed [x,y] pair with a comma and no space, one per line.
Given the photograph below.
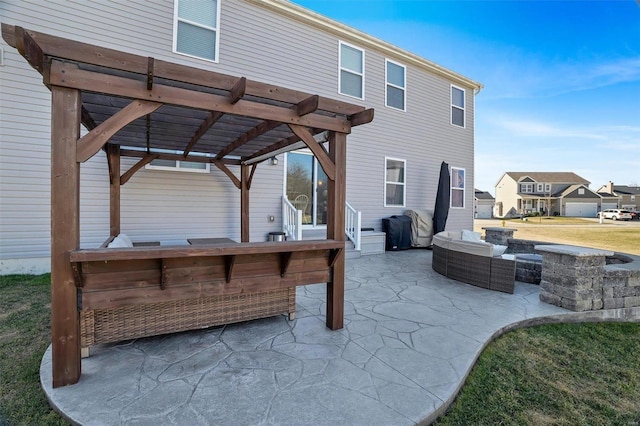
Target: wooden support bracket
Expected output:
[92,142]
[140,164]
[333,256]
[253,170]
[285,261]
[229,262]
[318,150]
[219,164]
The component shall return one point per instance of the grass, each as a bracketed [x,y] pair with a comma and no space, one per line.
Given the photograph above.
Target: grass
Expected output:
[25,310]
[562,374]
[576,231]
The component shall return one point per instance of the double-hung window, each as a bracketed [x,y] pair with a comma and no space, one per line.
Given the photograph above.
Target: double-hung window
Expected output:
[396,81]
[457,188]
[351,77]
[195,28]
[394,182]
[457,106]
[178,165]
[527,188]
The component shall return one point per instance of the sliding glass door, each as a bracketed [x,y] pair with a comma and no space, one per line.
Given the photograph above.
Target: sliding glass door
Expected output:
[306,187]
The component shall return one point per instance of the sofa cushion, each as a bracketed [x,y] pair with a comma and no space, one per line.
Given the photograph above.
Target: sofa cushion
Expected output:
[477,248]
[126,239]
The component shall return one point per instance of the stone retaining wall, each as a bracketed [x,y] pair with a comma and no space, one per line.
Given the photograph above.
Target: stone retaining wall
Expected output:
[579,279]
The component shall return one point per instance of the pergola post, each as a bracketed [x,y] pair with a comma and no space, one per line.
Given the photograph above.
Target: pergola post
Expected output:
[244,203]
[65,234]
[113,157]
[335,228]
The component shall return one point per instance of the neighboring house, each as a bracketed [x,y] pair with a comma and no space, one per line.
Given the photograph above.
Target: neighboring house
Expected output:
[424,114]
[620,196]
[552,193]
[483,204]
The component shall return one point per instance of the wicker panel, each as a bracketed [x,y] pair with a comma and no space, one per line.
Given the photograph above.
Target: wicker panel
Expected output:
[135,321]
[439,260]
[503,275]
[469,268]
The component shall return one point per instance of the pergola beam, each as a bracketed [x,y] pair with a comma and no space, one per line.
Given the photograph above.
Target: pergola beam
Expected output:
[140,164]
[59,47]
[69,75]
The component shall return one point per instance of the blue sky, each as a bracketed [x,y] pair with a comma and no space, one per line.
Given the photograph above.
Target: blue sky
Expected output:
[562,78]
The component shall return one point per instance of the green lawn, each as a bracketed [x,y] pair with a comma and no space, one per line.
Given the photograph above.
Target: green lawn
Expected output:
[562,374]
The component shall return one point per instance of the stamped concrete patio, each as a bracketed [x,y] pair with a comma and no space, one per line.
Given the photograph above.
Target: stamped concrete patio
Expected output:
[411,336]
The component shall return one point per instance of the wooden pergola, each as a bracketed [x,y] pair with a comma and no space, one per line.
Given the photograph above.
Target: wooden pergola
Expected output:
[141,107]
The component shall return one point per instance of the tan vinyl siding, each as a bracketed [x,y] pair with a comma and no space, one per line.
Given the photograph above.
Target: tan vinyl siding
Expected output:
[259,44]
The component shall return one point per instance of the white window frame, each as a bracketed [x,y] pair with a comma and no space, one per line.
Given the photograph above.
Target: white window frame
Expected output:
[540,187]
[403,184]
[463,108]
[387,84]
[463,189]
[177,167]
[526,187]
[216,30]
[340,69]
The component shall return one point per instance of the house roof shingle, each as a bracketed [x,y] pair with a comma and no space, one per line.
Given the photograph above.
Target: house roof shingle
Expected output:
[550,177]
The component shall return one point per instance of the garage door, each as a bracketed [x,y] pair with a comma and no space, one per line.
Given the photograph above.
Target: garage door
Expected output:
[484,211]
[606,206]
[581,209]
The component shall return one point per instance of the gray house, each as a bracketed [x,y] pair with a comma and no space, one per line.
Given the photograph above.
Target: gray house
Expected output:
[424,114]
[620,196]
[553,193]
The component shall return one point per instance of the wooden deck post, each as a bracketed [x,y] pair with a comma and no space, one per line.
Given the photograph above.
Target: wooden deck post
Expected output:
[335,228]
[244,203]
[65,234]
[113,157]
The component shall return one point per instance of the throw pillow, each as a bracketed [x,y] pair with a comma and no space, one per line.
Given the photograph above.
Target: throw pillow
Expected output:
[126,239]
[118,243]
[498,250]
[470,236]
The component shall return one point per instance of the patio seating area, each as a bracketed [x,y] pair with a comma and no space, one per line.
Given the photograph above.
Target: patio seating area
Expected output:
[411,337]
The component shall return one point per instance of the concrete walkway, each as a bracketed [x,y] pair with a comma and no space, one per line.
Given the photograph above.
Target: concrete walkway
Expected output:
[411,337]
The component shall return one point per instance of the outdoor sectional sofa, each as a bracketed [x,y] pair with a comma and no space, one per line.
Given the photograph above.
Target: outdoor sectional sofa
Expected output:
[473,262]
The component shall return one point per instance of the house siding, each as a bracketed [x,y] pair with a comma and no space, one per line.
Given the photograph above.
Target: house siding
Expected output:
[257,43]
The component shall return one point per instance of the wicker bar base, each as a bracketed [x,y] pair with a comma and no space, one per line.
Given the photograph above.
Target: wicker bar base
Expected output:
[136,321]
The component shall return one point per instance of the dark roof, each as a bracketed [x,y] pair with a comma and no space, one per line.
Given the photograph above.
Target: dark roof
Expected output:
[625,189]
[483,195]
[549,177]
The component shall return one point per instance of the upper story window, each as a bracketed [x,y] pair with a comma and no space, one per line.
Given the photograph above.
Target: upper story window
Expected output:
[457,106]
[526,187]
[394,182]
[543,187]
[457,188]
[351,77]
[396,81]
[196,28]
